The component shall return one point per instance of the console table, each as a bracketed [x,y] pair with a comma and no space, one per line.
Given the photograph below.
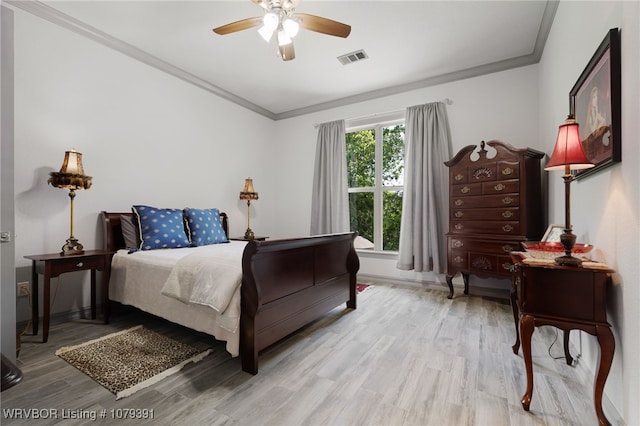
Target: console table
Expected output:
[55,264]
[568,298]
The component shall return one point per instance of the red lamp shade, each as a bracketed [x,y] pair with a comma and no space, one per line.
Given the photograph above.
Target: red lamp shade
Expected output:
[568,150]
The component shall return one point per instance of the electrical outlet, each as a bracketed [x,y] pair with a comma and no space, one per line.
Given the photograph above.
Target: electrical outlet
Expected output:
[23,289]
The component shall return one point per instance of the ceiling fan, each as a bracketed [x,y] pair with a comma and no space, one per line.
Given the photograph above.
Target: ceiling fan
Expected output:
[279,18]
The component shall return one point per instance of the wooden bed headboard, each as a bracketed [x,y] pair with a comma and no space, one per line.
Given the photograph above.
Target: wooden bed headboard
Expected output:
[112,229]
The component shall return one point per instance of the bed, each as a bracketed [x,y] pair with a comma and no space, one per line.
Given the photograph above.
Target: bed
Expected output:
[285,284]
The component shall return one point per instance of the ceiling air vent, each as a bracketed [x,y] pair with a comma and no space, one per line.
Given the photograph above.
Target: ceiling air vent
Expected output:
[352,57]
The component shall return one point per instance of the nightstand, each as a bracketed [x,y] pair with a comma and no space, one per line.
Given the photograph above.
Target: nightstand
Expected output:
[568,298]
[248,239]
[55,264]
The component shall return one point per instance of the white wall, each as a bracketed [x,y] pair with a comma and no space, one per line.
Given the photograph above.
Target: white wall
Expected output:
[605,208]
[501,106]
[146,137]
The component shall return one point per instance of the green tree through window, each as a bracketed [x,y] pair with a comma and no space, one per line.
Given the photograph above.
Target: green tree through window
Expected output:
[375,165]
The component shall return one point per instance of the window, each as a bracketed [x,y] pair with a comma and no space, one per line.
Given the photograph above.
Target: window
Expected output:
[375,168]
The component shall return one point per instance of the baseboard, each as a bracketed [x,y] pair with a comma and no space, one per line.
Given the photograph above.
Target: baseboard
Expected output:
[62,317]
[458,289]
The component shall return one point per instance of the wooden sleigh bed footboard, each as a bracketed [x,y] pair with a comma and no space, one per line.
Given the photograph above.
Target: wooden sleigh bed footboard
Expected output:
[286,284]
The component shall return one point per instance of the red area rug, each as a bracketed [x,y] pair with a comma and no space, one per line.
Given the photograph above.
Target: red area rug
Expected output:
[361,287]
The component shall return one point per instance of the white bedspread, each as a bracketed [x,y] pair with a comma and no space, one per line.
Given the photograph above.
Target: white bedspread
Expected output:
[137,279]
[210,276]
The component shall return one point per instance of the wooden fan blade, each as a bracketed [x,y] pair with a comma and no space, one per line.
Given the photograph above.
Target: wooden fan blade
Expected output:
[323,25]
[238,26]
[287,52]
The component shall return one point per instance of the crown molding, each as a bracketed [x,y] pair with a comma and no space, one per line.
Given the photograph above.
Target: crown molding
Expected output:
[54,16]
[63,20]
[533,58]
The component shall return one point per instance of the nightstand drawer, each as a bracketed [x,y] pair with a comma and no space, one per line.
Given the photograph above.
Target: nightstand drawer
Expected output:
[69,264]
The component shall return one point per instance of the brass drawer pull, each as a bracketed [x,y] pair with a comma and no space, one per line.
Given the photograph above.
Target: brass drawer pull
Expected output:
[507,248]
[499,187]
[458,214]
[507,214]
[507,200]
[457,243]
[458,203]
[465,189]
[458,259]
[508,171]
[506,266]
[79,264]
[459,226]
[458,177]
[507,228]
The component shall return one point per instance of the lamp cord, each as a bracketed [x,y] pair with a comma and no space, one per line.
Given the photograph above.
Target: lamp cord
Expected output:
[575,358]
[555,339]
[29,302]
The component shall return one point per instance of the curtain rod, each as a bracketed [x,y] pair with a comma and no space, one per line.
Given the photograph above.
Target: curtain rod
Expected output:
[447,101]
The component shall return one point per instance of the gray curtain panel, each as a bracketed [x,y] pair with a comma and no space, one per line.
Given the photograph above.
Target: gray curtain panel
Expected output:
[423,243]
[330,198]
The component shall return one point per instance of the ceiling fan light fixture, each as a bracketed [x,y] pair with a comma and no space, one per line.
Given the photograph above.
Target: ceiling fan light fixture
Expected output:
[279,18]
[283,38]
[265,33]
[271,21]
[291,27]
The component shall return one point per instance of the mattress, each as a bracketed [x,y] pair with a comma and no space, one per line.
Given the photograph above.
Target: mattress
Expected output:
[137,279]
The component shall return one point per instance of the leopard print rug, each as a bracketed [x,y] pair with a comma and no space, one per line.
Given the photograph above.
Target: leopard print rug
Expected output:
[130,360]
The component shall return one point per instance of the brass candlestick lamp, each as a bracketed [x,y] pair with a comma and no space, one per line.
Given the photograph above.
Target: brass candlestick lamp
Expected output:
[71,176]
[568,155]
[248,193]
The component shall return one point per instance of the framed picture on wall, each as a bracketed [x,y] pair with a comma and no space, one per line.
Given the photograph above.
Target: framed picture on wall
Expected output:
[595,102]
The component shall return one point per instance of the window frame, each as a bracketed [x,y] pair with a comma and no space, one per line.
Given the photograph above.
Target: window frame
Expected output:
[377,123]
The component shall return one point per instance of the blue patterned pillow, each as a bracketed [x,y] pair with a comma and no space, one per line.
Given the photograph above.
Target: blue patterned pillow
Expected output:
[204,226]
[160,228]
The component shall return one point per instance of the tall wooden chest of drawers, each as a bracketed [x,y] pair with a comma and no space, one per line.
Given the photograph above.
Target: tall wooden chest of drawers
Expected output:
[494,204]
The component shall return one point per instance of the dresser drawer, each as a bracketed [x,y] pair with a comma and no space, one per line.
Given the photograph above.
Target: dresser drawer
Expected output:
[486,227]
[458,260]
[467,189]
[486,264]
[484,172]
[459,175]
[508,170]
[503,247]
[501,187]
[490,264]
[496,214]
[506,200]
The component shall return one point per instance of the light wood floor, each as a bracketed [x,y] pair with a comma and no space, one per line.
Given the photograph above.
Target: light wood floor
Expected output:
[406,356]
